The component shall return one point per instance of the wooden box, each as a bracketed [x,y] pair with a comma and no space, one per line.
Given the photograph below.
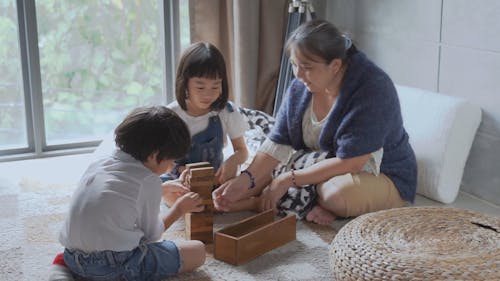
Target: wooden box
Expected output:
[252,237]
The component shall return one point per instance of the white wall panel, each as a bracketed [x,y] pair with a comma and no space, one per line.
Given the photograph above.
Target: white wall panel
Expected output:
[419,20]
[472,74]
[473,24]
[388,52]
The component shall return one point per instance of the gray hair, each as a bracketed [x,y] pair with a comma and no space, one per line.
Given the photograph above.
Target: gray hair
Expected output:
[321,39]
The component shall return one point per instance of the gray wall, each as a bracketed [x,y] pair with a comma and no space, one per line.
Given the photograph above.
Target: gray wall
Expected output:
[447,46]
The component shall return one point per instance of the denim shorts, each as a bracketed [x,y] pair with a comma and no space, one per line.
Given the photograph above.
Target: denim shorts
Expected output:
[149,261]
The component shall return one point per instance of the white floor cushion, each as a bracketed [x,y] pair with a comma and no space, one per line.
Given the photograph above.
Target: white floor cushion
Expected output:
[442,129]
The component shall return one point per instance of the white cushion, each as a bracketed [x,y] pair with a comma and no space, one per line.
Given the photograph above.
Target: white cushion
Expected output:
[441,129]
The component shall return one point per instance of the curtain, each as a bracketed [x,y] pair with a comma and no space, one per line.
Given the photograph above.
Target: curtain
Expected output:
[250,35]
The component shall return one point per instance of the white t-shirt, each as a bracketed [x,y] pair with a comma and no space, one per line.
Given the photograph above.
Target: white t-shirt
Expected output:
[116,204]
[233,123]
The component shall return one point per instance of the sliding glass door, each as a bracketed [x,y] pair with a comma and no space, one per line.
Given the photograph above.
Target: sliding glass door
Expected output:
[72,69]
[13,133]
[98,60]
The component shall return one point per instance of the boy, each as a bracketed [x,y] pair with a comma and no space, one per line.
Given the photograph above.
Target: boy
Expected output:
[114,219]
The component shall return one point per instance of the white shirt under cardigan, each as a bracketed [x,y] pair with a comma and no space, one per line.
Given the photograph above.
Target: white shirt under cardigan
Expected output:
[312,129]
[233,123]
[116,204]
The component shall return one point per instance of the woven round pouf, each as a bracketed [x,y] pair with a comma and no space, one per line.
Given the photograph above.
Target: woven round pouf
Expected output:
[418,243]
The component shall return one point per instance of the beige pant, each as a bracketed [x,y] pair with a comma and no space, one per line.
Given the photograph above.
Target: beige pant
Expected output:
[356,194]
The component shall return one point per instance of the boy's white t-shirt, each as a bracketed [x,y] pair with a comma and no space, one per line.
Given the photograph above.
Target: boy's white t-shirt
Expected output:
[116,204]
[233,123]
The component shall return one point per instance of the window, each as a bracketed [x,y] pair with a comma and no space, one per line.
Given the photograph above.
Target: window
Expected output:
[98,60]
[184,26]
[82,66]
[12,115]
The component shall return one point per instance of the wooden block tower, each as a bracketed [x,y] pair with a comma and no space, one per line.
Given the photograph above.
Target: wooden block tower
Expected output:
[199,226]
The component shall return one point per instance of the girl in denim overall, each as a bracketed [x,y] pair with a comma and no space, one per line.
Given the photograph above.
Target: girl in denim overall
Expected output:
[202,102]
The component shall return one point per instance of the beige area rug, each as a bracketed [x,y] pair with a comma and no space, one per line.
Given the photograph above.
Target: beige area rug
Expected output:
[32,212]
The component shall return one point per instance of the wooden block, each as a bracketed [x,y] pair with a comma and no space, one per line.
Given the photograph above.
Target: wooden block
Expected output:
[201,172]
[205,191]
[201,176]
[252,237]
[206,237]
[198,165]
[201,183]
[202,189]
[208,202]
[205,182]
[209,206]
[210,209]
[202,165]
[199,221]
[200,180]
[199,226]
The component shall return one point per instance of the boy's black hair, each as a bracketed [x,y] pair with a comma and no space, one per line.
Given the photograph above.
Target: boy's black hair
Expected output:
[201,59]
[147,130]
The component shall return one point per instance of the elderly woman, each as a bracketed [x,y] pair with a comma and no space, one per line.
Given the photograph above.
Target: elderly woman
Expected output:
[341,104]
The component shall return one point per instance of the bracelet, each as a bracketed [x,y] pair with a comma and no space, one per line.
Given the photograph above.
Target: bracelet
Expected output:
[252,179]
[293,177]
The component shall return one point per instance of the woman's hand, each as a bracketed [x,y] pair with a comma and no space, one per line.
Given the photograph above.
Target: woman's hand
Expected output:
[231,191]
[189,202]
[273,193]
[239,188]
[227,171]
[222,203]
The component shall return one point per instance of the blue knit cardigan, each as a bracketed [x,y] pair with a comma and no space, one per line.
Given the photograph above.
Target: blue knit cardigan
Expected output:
[365,117]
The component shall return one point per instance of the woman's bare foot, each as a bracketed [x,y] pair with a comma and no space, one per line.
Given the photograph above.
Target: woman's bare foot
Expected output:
[320,216]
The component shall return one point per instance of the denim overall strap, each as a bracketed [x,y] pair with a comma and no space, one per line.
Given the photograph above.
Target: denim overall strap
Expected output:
[207,145]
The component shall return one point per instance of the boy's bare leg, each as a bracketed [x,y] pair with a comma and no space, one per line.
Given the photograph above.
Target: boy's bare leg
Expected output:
[192,253]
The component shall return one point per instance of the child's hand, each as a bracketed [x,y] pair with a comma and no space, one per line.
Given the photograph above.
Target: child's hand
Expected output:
[184,174]
[174,187]
[189,202]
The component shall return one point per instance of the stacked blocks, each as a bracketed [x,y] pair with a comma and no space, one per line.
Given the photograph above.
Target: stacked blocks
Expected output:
[199,226]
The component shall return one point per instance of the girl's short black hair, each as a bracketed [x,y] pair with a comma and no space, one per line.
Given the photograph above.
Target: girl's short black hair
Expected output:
[147,130]
[201,59]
